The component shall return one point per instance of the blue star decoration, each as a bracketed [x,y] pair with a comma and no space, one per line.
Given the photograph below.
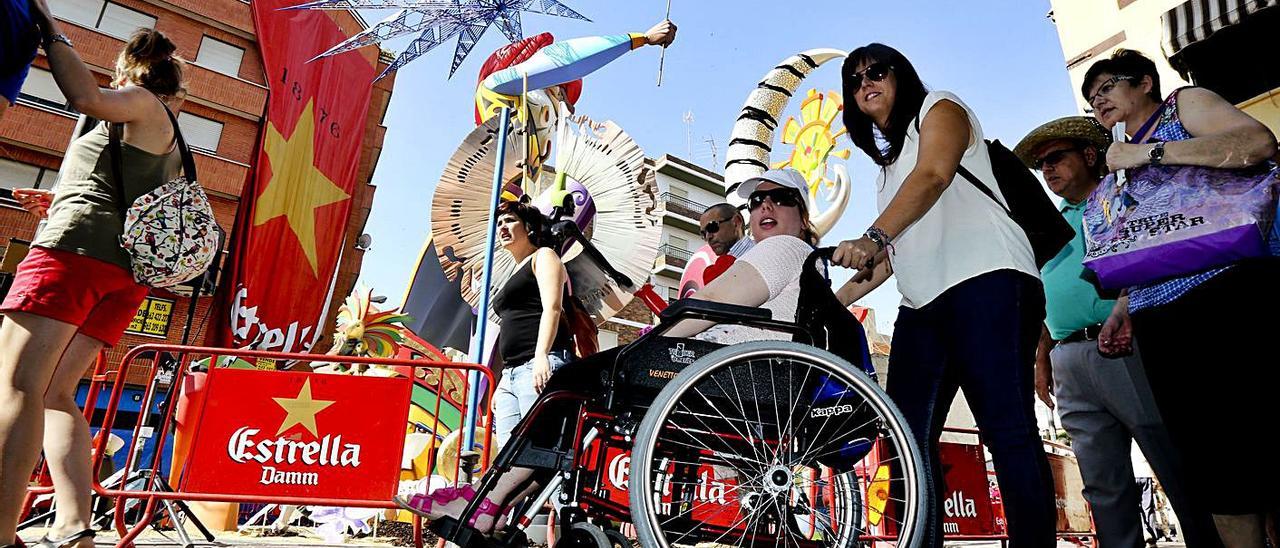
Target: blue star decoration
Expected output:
[439,21]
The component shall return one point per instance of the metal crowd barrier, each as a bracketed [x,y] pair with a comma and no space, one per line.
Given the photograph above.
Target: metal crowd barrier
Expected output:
[102,377]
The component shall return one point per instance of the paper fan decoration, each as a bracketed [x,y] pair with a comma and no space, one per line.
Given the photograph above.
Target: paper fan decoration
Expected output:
[620,212]
[606,170]
[460,210]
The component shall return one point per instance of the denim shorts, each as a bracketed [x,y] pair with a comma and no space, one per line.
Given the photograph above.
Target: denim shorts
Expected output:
[515,395]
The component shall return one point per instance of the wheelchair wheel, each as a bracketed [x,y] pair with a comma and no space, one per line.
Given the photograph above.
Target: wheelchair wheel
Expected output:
[583,535]
[775,444]
[617,539]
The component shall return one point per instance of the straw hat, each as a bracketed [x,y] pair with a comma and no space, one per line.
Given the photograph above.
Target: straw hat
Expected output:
[1078,128]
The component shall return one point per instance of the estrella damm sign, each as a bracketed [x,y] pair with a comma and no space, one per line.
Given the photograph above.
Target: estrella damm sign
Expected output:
[299,434]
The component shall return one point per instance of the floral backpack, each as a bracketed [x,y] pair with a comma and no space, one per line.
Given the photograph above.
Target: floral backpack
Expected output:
[170,233]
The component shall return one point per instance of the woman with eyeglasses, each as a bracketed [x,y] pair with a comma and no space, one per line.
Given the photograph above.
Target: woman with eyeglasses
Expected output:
[767,276]
[1235,376]
[972,302]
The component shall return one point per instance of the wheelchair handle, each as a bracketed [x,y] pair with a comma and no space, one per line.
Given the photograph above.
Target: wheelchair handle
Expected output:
[823,253]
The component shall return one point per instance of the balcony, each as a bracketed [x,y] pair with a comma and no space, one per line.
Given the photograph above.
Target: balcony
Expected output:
[683,206]
[674,256]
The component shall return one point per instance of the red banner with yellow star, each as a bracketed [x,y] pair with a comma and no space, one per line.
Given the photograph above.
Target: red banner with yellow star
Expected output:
[295,206]
[272,433]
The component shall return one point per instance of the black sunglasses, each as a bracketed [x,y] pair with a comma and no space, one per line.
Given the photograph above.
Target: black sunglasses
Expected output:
[874,72]
[713,227]
[1053,158]
[782,197]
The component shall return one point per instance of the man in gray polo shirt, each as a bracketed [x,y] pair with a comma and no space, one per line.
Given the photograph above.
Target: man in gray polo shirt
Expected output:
[1105,402]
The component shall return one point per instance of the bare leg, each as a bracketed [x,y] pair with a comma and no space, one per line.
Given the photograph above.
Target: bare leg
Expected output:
[1243,531]
[66,440]
[30,347]
[507,485]
[530,489]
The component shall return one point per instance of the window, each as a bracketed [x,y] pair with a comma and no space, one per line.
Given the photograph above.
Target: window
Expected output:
[41,89]
[219,56]
[112,19]
[678,242]
[673,294]
[120,21]
[201,133]
[681,192]
[85,13]
[19,175]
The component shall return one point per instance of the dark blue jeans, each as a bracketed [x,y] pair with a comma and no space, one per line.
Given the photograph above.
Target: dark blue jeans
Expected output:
[981,336]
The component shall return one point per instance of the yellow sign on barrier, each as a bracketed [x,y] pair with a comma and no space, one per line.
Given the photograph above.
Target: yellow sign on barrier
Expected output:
[152,318]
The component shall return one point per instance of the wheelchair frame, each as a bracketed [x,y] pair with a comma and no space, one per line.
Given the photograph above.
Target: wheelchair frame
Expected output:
[605,423]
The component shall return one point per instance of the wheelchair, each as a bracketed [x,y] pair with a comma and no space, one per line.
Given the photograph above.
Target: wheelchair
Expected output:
[766,443]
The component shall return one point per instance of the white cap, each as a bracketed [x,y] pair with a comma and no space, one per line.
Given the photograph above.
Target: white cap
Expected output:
[786,177]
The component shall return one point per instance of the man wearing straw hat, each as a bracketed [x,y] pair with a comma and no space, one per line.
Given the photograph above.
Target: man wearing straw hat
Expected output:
[1105,402]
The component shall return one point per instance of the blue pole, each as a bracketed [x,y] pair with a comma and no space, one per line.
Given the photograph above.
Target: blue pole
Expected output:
[482,315]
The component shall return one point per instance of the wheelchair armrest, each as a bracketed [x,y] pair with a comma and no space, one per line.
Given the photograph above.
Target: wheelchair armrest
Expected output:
[711,310]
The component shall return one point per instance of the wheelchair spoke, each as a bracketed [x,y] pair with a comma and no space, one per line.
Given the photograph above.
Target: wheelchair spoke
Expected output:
[751,527]
[709,430]
[730,422]
[792,411]
[764,447]
[732,527]
[783,441]
[695,507]
[722,510]
[759,455]
[805,456]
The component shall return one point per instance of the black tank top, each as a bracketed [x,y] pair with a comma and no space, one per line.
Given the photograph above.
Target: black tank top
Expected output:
[519,305]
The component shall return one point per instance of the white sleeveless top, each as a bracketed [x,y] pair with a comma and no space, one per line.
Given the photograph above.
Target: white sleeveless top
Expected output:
[964,235]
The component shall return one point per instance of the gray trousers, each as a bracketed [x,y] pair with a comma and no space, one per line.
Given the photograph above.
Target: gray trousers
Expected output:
[1104,404]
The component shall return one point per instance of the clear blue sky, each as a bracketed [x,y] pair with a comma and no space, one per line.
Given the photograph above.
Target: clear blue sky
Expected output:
[1002,57]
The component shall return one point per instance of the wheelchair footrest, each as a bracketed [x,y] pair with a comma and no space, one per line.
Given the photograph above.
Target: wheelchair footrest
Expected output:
[452,530]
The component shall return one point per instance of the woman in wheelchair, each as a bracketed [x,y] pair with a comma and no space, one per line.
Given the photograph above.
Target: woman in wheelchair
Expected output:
[767,276]
[765,470]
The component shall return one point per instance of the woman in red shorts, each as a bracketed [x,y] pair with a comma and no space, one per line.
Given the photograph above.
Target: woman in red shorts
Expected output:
[74,294]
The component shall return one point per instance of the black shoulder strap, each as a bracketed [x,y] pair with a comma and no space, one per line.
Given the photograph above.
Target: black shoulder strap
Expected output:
[116,136]
[969,176]
[981,187]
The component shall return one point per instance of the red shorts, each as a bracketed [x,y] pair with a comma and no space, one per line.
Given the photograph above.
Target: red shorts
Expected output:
[99,297]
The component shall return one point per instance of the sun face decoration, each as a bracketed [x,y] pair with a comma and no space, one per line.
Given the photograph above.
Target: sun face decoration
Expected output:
[813,140]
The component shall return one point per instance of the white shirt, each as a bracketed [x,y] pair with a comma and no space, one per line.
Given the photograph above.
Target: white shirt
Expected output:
[779,260]
[964,234]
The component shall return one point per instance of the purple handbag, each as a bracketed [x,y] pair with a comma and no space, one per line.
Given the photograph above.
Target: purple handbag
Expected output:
[1168,221]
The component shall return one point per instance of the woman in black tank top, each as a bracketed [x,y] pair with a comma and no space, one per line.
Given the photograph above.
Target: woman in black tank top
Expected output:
[531,342]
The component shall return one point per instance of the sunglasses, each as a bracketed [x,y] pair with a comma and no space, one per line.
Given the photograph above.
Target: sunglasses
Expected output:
[1106,87]
[713,227]
[781,197]
[1052,158]
[874,72]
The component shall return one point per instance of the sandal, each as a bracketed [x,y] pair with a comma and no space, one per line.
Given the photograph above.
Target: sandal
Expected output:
[46,542]
[422,503]
[486,508]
